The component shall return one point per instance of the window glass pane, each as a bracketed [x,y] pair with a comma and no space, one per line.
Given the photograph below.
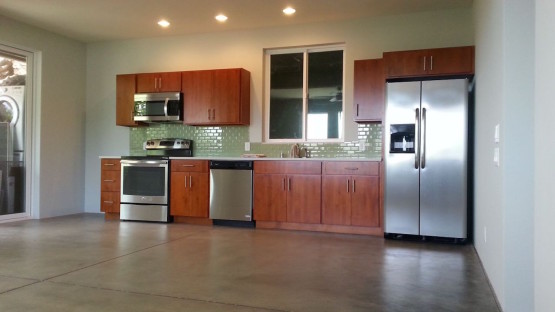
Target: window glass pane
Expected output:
[286,96]
[325,94]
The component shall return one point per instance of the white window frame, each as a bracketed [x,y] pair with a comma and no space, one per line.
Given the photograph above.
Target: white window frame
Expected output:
[305,50]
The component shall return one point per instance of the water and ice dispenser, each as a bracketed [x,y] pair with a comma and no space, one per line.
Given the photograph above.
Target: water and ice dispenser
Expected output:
[402,138]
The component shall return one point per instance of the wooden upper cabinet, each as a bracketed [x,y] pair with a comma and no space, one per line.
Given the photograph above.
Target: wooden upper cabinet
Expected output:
[159,82]
[369,90]
[430,62]
[125,105]
[216,97]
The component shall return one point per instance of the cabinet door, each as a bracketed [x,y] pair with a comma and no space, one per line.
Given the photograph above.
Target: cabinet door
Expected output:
[405,63]
[336,199]
[369,90]
[159,82]
[198,195]
[365,202]
[169,82]
[125,92]
[225,96]
[197,87]
[189,194]
[269,197]
[451,61]
[304,198]
[147,83]
[178,193]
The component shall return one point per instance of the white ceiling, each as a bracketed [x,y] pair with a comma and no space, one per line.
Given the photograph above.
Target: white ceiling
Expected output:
[101,20]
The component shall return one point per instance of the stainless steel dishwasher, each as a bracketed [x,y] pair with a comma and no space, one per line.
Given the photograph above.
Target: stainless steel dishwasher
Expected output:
[231,193]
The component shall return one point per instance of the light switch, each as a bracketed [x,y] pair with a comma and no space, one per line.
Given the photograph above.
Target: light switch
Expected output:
[496,135]
[247,146]
[496,156]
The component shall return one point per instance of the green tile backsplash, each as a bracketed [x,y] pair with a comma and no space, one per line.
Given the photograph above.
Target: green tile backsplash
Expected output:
[229,141]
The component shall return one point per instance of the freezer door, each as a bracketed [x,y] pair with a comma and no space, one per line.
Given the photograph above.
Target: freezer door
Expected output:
[401,174]
[443,173]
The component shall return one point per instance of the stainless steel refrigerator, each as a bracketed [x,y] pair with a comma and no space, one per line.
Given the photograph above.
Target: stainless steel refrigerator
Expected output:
[426,158]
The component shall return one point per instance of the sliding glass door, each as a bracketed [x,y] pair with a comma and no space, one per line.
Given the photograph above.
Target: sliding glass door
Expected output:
[14,93]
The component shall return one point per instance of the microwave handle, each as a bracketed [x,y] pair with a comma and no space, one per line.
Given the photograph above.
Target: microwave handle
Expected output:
[166,107]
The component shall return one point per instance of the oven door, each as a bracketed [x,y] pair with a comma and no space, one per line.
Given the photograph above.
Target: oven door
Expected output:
[144,182]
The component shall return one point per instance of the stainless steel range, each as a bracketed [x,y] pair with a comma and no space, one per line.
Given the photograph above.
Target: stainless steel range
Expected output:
[145,180]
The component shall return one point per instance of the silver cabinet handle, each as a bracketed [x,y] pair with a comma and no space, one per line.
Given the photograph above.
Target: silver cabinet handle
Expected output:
[431,63]
[423,149]
[354,185]
[108,202]
[357,110]
[347,185]
[108,164]
[424,63]
[289,184]
[417,130]
[190,182]
[351,168]
[283,184]
[108,181]
[185,181]
[187,165]
[160,82]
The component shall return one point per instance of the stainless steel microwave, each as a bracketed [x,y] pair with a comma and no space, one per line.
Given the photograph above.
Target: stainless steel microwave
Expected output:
[158,107]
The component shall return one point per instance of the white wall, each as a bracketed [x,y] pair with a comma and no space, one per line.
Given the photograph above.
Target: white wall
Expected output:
[62,116]
[365,38]
[544,157]
[504,196]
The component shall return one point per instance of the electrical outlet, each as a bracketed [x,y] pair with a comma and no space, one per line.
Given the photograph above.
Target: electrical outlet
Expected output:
[485,234]
[496,156]
[247,146]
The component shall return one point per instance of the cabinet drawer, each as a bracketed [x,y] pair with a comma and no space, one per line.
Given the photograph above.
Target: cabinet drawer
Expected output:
[109,201]
[110,181]
[110,164]
[352,167]
[288,167]
[189,165]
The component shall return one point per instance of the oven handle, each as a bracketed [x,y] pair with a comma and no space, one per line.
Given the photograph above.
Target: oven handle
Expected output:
[144,163]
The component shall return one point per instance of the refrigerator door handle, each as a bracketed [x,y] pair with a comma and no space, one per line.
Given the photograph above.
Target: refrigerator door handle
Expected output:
[423,150]
[416,146]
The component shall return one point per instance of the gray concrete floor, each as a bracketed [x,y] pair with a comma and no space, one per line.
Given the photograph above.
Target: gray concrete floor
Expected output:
[83,263]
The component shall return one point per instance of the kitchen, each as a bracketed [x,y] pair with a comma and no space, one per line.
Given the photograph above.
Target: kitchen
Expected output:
[243,50]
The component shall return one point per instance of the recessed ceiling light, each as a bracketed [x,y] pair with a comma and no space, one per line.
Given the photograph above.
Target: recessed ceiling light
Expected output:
[221,18]
[163,23]
[289,11]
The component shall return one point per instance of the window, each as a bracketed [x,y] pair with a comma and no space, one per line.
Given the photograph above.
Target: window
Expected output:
[304,94]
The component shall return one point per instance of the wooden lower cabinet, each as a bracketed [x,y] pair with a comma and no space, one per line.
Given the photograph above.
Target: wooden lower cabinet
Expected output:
[287,198]
[350,200]
[304,198]
[269,197]
[287,191]
[109,201]
[110,175]
[189,188]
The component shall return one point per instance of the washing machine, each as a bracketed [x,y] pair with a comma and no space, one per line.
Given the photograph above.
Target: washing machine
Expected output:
[11,111]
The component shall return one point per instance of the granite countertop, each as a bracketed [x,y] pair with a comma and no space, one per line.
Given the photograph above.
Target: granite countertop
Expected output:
[378,158]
